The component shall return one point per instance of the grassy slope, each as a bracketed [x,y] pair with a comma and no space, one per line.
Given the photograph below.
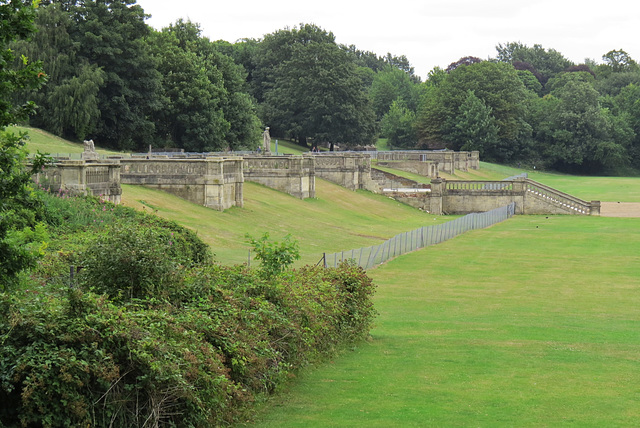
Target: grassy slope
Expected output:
[532,322]
[45,142]
[336,220]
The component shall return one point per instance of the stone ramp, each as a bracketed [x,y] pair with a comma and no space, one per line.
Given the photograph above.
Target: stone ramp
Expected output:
[620,209]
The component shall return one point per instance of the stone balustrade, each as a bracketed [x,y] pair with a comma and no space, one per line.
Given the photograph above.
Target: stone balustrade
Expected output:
[82,177]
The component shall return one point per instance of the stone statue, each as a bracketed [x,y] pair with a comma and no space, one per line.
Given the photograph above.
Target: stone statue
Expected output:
[266,140]
[89,151]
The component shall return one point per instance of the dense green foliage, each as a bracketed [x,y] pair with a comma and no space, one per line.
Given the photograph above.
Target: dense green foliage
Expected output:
[21,232]
[151,330]
[296,66]
[546,111]
[114,79]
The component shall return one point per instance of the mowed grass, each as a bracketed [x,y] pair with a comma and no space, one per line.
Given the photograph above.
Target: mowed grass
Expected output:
[337,219]
[532,322]
[46,142]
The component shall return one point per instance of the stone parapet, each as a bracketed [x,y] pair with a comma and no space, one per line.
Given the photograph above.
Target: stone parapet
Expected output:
[82,177]
[294,174]
[214,182]
[347,169]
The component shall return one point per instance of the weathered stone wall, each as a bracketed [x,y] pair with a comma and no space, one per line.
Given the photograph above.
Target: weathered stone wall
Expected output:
[350,170]
[215,182]
[387,180]
[464,161]
[447,161]
[424,168]
[464,197]
[82,177]
[294,175]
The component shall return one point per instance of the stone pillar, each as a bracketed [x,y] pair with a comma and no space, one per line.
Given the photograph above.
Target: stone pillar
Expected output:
[475,160]
[115,189]
[594,208]
[518,185]
[73,176]
[436,195]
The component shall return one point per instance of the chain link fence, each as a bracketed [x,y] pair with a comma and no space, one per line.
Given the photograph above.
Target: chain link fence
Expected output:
[368,257]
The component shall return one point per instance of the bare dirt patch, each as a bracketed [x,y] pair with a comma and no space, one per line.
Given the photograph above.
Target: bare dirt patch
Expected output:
[620,209]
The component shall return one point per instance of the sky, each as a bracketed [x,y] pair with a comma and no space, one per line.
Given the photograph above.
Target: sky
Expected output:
[429,33]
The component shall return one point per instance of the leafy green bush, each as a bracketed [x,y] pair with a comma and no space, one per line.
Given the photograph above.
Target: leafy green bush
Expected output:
[154,332]
[275,257]
[130,262]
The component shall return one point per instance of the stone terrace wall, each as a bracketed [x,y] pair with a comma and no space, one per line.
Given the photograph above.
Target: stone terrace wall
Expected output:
[294,175]
[82,177]
[387,180]
[350,170]
[214,182]
[462,197]
[424,168]
[447,161]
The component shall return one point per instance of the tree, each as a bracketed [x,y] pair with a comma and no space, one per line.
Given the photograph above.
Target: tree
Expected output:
[191,118]
[311,88]
[68,105]
[561,79]
[619,61]
[628,105]
[546,62]
[17,204]
[476,127]
[581,132]
[398,125]
[389,85]
[110,34]
[236,105]
[497,85]
[467,60]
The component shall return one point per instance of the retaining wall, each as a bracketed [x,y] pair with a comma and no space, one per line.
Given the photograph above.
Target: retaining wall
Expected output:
[294,175]
[215,182]
[464,197]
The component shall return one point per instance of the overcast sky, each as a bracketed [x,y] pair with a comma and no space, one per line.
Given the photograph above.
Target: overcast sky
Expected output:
[429,32]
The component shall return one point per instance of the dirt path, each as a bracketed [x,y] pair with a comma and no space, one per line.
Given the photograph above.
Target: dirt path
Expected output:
[620,209]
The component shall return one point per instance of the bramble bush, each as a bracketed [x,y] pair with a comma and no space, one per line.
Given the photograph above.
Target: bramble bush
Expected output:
[275,257]
[156,333]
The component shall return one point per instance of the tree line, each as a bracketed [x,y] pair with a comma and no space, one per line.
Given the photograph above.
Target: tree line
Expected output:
[116,80]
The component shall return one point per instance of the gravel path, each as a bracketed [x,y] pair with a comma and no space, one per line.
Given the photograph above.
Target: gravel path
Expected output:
[620,209]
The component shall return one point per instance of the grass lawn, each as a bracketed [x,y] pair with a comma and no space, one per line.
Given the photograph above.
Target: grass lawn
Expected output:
[49,143]
[532,322]
[337,219]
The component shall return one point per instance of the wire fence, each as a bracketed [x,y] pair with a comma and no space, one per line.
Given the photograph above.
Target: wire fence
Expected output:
[368,257]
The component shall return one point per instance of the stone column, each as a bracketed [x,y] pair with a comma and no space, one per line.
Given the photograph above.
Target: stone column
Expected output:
[436,195]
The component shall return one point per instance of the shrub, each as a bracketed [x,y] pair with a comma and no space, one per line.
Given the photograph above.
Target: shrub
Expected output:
[129,262]
[156,333]
[356,290]
[275,257]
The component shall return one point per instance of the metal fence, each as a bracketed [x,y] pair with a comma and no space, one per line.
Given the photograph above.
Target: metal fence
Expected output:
[368,257]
